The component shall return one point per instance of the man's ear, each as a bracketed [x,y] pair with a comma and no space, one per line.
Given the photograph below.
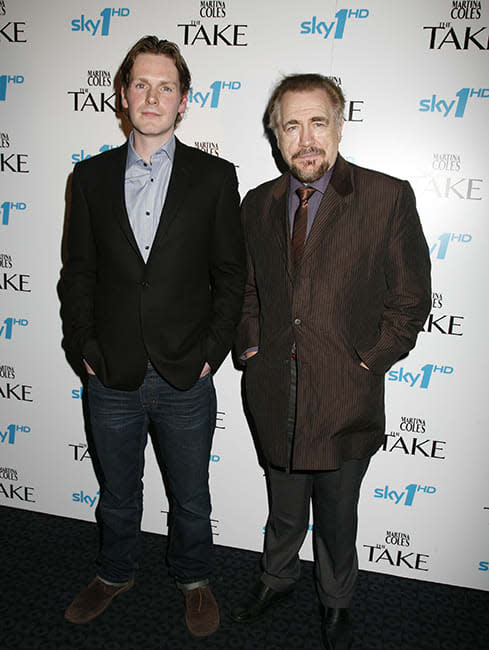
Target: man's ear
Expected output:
[125,105]
[183,104]
[340,129]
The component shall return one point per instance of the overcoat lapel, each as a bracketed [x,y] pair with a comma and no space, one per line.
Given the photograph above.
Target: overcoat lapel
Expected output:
[279,219]
[331,207]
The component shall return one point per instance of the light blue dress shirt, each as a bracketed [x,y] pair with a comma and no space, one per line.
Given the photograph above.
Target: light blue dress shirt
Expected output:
[145,189]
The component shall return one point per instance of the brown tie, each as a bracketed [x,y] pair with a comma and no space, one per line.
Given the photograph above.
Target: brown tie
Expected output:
[300,224]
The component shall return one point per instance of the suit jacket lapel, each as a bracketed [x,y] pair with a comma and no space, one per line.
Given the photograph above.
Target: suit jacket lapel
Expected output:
[118,173]
[331,206]
[180,182]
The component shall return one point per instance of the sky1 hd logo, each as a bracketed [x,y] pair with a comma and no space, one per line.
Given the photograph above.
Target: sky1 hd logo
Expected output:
[458,31]
[9,81]
[89,98]
[10,31]
[11,390]
[12,433]
[442,322]
[332,27]
[395,551]
[9,327]
[100,24]
[403,496]
[11,490]
[410,438]
[448,243]
[210,97]
[87,499]
[12,281]
[8,209]
[420,378]
[210,32]
[455,105]
[445,179]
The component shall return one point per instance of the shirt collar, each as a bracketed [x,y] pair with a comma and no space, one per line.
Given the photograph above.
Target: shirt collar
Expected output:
[133,158]
[320,184]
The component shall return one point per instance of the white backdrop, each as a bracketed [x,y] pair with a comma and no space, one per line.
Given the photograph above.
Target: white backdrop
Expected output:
[416,81]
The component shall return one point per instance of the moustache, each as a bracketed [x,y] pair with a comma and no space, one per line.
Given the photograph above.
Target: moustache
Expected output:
[308,150]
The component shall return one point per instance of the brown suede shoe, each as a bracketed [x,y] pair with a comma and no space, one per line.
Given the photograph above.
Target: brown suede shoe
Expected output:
[93,600]
[202,615]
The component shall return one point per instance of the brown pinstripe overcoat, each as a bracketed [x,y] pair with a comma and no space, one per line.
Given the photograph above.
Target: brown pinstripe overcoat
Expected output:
[361,292]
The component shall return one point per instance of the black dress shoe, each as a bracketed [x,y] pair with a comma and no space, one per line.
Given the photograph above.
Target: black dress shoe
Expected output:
[257,602]
[336,629]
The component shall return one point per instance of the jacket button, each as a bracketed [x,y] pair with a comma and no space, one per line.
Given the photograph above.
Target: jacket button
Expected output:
[297,321]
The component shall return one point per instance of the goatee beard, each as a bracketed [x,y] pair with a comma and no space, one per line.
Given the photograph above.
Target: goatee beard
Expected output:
[306,176]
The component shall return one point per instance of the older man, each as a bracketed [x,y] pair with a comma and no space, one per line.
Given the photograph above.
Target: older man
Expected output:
[338,289]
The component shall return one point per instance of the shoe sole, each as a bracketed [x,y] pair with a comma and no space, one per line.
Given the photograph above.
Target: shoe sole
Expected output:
[328,647]
[201,635]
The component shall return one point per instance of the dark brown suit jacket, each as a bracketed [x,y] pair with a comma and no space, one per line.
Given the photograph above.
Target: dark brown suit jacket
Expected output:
[361,292]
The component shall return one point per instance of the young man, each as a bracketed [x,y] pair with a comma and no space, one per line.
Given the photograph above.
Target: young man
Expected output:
[338,288]
[153,291]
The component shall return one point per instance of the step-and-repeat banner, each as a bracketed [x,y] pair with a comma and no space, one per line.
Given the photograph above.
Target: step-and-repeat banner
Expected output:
[416,78]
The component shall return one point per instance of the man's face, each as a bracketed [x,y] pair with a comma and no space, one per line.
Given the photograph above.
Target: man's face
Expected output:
[153,99]
[308,133]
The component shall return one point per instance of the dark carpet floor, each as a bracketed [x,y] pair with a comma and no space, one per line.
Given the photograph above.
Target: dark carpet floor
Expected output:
[46,559]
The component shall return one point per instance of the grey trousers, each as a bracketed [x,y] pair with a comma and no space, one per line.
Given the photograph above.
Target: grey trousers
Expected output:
[334,496]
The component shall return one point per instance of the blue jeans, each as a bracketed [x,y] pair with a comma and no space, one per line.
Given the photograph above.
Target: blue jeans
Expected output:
[183,422]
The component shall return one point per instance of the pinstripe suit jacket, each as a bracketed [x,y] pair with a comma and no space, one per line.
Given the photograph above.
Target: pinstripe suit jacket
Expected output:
[361,292]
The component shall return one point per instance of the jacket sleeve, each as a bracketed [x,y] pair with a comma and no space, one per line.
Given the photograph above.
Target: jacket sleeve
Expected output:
[407,299]
[227,272]
[248,336]
[79,272]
